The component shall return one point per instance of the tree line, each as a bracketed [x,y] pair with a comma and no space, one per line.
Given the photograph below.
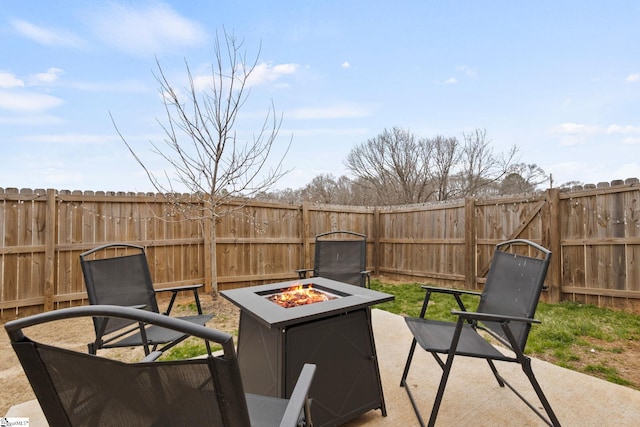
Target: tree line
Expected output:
[397,167]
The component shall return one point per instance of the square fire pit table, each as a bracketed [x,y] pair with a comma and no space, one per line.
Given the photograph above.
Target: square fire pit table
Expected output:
[274,342]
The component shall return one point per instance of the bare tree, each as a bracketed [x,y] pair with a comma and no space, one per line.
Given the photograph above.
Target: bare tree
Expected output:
[201,146]
[523,178]
[446,155]
[405,169]
[394,163]
[321,189]
[480,168]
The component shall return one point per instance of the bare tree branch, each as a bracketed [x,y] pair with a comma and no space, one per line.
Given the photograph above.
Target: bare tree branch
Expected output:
[206,157]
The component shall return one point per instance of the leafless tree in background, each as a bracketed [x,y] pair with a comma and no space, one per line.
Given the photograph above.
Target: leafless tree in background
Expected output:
[395,164]
[523,178]
[206,157]
[396,168]
[480,168]
[446,155]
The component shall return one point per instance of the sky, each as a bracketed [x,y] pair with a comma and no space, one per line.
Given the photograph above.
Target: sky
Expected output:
[560,80]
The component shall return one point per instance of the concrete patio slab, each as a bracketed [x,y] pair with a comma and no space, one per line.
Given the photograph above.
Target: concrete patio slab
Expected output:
[472,397]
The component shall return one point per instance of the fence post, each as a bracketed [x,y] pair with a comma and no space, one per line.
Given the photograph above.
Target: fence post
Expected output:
[376,242]
[50,250]
[306,229]
[554,243]
[470,252]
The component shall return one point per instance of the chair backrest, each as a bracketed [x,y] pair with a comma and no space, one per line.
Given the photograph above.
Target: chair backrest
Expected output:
[76,388]
[341,256]
[118,274]
[514,283]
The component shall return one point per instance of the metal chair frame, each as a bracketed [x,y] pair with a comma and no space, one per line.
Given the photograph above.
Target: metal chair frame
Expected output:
[461,338]
[124,279]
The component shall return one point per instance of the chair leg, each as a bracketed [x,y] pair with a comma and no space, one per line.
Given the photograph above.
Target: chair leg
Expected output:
[526,367]
[403,382]
[443,383]
[174,294]
[495,372]
[439,360]
[408,364]
[196,297]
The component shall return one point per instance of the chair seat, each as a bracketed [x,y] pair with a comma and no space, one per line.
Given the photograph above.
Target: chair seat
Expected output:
[436,336]
[159,335]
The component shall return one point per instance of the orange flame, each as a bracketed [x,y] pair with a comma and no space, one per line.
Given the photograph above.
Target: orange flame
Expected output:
[297,295]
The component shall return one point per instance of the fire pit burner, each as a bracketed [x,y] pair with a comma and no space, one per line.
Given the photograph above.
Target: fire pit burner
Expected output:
[300,294]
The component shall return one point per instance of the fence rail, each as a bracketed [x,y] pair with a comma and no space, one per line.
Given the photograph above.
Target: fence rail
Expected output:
[593,232]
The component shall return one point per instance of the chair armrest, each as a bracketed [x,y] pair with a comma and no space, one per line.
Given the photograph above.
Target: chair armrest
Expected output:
[176,289]
[302,273]
[299,397]
[450,291]
[179,288]
[489,317]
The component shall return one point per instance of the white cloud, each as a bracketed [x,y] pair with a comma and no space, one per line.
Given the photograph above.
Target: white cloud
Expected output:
[266,73]
[633,78]
[573,133]
[146,30]
[575,129]
[345,64]
[451,81]
[8,81]
[25,101]
[48,77]
[263,73]
[615,129]
[46,36]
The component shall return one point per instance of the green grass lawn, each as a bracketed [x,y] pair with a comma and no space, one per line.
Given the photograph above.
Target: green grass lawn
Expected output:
[569,332]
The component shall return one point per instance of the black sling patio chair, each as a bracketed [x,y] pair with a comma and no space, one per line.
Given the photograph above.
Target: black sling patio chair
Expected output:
[340,256]
[507,305]
[118,274]
[79,389]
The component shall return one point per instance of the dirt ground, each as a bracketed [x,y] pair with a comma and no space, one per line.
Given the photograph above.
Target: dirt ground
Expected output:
[603,357]
[624,357]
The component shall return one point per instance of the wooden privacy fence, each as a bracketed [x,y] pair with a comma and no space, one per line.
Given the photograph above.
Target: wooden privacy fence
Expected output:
[593,232]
